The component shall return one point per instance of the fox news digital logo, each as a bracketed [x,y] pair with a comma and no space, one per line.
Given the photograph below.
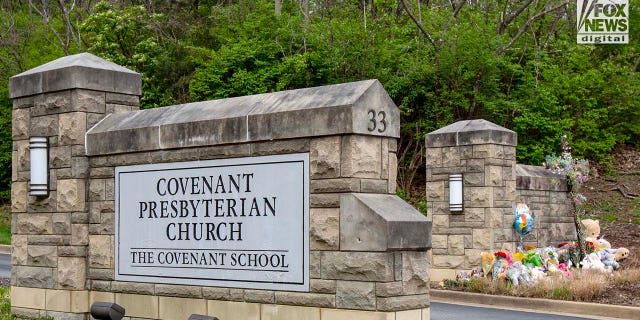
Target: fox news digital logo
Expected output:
[603,21]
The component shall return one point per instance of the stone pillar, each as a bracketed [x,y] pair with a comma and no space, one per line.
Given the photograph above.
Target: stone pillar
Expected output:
[59,100]
[485,154]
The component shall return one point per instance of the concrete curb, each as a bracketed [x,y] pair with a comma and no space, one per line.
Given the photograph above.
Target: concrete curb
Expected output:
[5,249]
[537,304]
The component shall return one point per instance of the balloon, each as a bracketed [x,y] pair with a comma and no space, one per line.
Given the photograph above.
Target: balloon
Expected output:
[524,220]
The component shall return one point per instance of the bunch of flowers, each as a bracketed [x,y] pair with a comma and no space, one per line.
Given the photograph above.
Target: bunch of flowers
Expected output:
[524,267]
[576,170]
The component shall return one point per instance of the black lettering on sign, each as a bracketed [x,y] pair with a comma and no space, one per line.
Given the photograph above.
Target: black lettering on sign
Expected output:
[377,120]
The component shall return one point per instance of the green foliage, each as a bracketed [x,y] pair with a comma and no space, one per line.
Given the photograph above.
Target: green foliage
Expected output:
[562,293]
[419,201]
[5,304]
[5,145]
[542,85]
[25,42]
[5,235]
[5,224]
[130,37]
[609,217]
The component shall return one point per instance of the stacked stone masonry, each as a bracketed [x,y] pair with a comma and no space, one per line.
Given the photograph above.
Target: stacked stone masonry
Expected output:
[492,185]
[50,233]
[63,244]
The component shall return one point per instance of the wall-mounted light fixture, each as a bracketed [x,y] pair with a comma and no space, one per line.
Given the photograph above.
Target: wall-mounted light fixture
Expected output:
[39,180]
[455,192]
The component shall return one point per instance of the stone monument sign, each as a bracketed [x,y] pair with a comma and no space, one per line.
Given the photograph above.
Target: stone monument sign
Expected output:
[272,206]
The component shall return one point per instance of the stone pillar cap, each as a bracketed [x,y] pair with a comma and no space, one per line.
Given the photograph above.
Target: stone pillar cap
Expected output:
[361,107]
[82,70]
[470,132]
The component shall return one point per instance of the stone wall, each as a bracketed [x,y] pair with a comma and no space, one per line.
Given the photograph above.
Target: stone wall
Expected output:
[547,195]
[63,258]
[372,281]
[492,184]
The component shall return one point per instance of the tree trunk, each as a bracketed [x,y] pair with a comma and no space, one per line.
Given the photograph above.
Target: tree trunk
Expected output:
[579,233]
[304,6]
[278,6]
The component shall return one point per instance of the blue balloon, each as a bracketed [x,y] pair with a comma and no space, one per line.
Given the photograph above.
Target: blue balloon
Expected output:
[524,221]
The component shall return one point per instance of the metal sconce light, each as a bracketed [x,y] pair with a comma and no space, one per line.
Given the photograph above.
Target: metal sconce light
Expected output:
[39,166]
[455,192]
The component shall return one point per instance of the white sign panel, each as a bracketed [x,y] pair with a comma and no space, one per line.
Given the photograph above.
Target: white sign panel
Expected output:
[240,223]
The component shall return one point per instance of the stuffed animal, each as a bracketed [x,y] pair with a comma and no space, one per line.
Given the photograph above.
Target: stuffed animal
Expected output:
[476,272]
[592,262]
[592,229]
[609,256]
[463,276]
[621,254]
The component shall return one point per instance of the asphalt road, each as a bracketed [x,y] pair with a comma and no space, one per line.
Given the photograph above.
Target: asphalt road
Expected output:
[446,311]
[5,266]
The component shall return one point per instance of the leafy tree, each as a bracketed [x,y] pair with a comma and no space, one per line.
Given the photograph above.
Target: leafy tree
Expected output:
[514,63]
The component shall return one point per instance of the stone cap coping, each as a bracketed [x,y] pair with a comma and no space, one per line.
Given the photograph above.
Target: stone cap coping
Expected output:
[470,132]
[538,178]
[83,70]
[381,222]
[346,108]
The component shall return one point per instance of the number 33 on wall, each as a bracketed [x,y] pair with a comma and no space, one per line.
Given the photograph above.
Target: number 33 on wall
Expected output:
[378,121]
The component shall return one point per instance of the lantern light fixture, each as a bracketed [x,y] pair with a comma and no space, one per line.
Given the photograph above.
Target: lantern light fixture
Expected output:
[455,192]
[39,167]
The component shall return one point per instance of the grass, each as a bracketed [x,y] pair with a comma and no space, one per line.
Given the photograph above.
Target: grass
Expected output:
[609,217]
[5,224]
[626,276]
[582,286]
[606,210]
[5,234]
[634,213]
[607,207]
[5,304]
